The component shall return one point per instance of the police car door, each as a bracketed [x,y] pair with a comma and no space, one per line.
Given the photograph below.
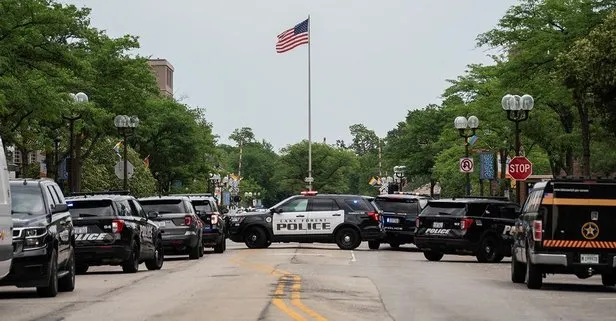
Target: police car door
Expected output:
[289,220]
[324,215]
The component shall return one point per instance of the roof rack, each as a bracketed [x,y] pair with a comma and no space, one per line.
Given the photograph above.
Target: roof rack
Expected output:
[99,193]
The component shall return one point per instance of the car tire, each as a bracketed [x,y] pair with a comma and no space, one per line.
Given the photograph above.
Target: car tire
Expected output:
[156,263]
[347,238]
[489,250]
[534,278]
[67,283]
[221,246]
[518,270]
[201,250]
[51,289]
[374,245]
[256,238]
[132,264]
[608,279]
[193,252]
[81,269]
[433,256]
[394,245]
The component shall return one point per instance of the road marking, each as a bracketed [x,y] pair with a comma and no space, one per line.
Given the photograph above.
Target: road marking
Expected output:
[296,299]
[299,254]
[353,256]
[279,303]
[606,298]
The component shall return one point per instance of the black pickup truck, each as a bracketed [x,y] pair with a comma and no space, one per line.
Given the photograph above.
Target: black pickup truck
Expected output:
[43,242]
[113,229]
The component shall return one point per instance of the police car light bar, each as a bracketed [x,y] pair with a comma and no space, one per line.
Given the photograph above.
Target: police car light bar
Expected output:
[309,193]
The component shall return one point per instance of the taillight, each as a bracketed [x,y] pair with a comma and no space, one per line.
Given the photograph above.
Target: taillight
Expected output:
[117,226]
[417,223]
[465,223]
[537,230]
[374,215]
[214,219]
[188,220]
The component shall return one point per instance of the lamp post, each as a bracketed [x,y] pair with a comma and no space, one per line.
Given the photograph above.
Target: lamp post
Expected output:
[78,98]
[517,109]
[56,142]
[399,176]
[463,125]
[126,126]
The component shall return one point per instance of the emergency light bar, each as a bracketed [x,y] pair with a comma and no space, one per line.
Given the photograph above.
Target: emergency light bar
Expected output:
[309,193]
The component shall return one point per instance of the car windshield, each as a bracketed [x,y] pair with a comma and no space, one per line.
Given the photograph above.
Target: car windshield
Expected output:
[90,208]
[163,206]
[203,206]
[444,208]
[26,199]
[401,205]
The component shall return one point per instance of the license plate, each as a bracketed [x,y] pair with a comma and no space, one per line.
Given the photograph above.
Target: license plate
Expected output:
[393,220]
[589,258]
[160,224]
[437,225]
[81,230]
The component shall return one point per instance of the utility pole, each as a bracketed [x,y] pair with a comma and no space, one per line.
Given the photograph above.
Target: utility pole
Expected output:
[380,158]
[239,166]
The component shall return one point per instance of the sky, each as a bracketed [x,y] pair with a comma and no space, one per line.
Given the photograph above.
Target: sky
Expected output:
[371,61]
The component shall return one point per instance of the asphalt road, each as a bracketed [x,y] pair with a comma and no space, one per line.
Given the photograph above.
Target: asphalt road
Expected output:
[314,282]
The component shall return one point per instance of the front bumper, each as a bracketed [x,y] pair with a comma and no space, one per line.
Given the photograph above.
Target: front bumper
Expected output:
[101,255]
[30,269]
[445,245]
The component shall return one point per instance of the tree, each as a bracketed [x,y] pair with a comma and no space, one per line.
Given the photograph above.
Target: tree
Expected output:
[364,140]
[242,135]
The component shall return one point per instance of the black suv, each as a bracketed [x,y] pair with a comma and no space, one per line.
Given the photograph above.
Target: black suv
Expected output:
[214,233]
[467,226]
[346,220]
[113,229]
[178,222]
[399,212]
[43,242]
[567,226]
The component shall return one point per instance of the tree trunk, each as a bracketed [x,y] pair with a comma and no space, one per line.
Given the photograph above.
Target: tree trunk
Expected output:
[585,126]
[503,155]
[78,163]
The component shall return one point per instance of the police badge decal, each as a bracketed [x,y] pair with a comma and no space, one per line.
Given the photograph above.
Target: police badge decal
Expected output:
[268,219]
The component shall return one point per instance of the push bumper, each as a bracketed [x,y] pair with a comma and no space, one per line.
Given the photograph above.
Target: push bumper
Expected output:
[101,255]
[29,270]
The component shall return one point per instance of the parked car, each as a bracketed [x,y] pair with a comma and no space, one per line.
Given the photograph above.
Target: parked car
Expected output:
[43,238]
[214,233]
[6,222]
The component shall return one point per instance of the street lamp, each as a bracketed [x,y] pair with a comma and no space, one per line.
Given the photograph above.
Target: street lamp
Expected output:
[517,109]
[215,180]
[462,124]
[126,126]
[78,98]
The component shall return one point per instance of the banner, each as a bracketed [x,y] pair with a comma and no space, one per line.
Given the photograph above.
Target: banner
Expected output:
[487,171]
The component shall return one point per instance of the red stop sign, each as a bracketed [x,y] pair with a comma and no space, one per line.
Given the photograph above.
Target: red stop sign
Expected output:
[520,168]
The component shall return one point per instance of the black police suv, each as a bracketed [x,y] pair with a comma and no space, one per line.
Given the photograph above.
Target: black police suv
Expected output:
[214,233]
[399,212]
[179,225]
[43,242]
[346,220]
[567,226]
[113,229]
[466,226]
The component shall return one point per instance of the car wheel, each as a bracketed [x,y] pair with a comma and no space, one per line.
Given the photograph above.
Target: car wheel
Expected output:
[347,238]
[81,269]
[433,256]
[255,238]
[67,283]
[534,278]
[374,245]
[608,279]
[518,270]
[156,263]
[193,252]
[489,251]
[132,264]
[220,246]
[51,289]
[394,245]
[201,250]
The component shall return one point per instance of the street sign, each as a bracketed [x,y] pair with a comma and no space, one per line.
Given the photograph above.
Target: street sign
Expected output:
[520,168]
[119,169]
[466,165]
[309,179]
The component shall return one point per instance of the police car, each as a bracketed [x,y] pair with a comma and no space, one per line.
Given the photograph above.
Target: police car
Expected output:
[346,220]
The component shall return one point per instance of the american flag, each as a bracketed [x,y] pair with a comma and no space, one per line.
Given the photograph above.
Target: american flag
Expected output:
[293,37]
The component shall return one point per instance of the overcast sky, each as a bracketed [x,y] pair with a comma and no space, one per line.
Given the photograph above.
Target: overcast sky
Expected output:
[372,61]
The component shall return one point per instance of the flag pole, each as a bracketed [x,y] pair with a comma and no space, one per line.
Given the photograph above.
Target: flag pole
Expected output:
[309,114]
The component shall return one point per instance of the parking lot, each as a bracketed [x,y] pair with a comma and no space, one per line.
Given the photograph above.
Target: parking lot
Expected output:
[314,282]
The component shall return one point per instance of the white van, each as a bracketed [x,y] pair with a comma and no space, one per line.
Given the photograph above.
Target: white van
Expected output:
[6,222]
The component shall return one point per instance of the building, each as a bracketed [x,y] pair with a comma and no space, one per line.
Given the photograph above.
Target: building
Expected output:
[163,70]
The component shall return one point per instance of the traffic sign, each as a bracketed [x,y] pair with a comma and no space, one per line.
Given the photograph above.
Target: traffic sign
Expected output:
[466,165]
[520,168]
[309,179]
[119,169]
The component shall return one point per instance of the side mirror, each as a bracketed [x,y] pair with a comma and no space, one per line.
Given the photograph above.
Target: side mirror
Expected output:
[276,210]
[152,214]
[225,210]
[59,208]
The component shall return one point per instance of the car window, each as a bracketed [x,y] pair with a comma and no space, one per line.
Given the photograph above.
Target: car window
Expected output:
[27,200]
[163,206]
[444,208]
[397,205]
[125,209]
[322,204]
[54,198]
[295,205]
[90,208]
[136,209]
[358,205]
[509,211]
[203,206]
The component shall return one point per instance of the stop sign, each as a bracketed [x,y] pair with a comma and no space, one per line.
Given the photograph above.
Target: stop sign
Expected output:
[520,168]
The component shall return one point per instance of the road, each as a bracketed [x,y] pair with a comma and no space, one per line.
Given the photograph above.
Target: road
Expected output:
[314,282]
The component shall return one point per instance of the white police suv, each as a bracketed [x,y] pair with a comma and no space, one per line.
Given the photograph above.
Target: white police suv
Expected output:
[346,220]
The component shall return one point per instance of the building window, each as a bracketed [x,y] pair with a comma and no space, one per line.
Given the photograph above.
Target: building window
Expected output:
[169,78]
[32,158]
[17,157]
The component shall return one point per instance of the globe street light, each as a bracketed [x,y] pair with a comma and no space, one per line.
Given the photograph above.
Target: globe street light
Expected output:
[78,98]
[462,124]
[126,126]
[517,109]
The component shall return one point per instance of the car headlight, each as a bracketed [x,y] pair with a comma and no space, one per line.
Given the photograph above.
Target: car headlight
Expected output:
[34,238]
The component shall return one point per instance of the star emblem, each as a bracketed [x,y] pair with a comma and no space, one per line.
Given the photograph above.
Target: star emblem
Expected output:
[590,230]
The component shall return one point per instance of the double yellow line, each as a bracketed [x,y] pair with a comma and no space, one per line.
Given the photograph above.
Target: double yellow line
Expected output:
[286,281]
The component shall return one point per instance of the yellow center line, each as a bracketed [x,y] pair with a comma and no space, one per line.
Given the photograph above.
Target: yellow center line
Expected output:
[279,303]
[296,299]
